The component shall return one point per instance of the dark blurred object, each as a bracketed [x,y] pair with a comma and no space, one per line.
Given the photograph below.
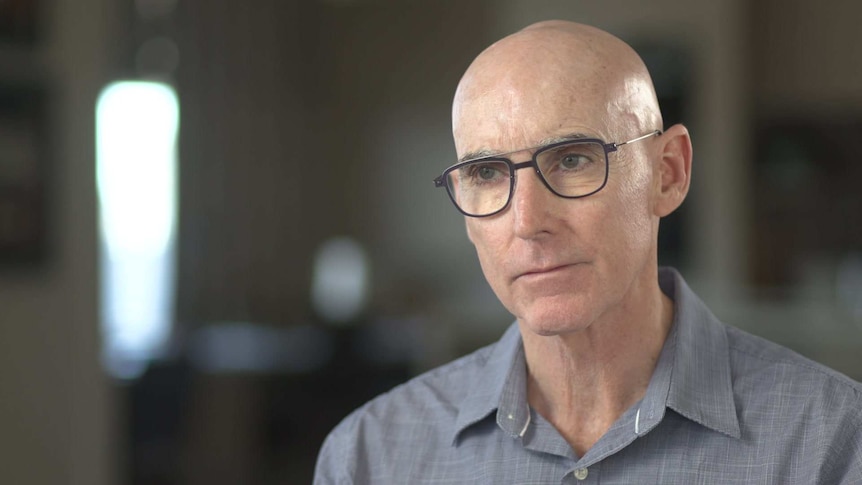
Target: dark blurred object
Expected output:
[158,406]
[18,20]
[807,203]
[245,403]
[301,409]
[23,175]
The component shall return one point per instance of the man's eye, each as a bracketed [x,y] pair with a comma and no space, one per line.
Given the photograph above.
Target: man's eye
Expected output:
[572,161]
[486,172]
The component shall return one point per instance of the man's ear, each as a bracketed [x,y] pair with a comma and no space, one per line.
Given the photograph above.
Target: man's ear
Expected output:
[673,170]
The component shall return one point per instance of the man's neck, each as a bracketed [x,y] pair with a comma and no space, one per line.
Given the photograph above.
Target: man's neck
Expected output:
[583,382]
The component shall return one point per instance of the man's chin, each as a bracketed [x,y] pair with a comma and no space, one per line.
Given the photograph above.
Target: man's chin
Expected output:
[548,323]
[555,315]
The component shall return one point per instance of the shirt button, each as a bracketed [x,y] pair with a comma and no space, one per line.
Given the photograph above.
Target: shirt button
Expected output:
[581,473]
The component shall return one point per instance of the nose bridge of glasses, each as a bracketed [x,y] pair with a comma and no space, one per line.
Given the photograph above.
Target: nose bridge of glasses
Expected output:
[519,184]
[520,165]
[526,164]
[529,199]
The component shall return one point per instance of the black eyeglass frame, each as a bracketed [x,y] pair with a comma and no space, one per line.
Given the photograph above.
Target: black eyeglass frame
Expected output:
[441,180]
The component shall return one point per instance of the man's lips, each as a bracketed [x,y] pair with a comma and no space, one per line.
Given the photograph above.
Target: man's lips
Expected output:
[543,271]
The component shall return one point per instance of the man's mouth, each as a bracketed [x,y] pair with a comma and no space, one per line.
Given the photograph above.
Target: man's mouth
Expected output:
[543,271]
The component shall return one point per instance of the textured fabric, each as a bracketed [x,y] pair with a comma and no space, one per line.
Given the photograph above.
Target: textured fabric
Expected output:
[722,406]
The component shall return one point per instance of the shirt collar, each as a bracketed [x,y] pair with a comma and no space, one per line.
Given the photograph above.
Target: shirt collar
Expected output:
[501,386]
[701,387]
[692,376]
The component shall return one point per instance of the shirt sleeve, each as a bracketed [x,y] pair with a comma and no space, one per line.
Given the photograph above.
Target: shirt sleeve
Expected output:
[331,468]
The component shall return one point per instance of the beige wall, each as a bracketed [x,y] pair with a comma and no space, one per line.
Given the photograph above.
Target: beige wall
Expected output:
[54,404]
[806,57]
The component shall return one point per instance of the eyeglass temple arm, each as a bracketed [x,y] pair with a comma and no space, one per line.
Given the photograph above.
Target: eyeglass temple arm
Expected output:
[653,133]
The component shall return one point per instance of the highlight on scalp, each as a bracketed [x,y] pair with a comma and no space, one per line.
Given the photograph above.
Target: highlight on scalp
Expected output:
[566,55]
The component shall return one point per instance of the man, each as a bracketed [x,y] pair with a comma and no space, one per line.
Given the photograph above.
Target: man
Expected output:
[615,372]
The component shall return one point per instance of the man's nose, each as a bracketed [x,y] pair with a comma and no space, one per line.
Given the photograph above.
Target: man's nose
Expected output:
[530,204]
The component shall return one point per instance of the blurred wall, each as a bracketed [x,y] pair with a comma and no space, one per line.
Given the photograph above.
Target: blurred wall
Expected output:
[806,58]
[308,120]
[55,405]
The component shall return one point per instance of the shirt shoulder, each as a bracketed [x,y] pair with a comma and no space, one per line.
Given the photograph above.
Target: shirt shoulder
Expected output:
[798,408]
[757,358]
[426,406]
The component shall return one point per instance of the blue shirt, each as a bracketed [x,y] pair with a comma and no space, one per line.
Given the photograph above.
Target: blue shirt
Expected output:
[722,406]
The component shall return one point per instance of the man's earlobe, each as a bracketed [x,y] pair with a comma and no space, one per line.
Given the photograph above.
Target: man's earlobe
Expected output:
[674,169]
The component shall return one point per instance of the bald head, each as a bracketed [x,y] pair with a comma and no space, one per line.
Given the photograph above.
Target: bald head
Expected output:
[525,87]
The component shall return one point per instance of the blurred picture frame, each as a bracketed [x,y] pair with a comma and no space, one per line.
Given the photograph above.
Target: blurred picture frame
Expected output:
[19,21]
[23,176]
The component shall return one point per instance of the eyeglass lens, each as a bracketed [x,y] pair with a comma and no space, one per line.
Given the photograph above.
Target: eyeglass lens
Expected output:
[570,170]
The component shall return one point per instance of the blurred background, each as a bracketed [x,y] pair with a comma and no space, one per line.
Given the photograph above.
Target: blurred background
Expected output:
[219,234]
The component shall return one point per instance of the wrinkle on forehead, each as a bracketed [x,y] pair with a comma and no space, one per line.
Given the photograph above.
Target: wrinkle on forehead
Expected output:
[545,77]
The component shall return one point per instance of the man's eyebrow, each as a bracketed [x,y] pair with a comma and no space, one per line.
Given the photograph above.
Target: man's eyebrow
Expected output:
[477,154]
[547,141]
[566,137]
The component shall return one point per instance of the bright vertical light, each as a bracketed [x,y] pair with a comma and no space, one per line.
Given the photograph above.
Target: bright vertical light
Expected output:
[136,167]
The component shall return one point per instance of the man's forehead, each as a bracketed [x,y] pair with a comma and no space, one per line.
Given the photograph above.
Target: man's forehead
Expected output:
[495,128]
[506,113]
[487,151]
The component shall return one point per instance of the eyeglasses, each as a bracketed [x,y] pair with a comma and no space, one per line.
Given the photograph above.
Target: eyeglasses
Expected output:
[482,187]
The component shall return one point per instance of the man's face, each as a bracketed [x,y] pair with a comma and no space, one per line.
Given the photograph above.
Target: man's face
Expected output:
[560,264]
